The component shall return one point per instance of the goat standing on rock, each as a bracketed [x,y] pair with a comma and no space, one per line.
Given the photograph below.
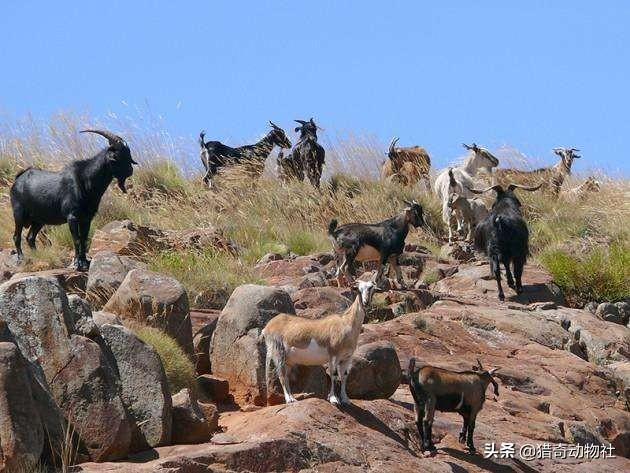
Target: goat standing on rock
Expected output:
[439,389]
[293,340]
[70,196]
[503,236]
[383,242]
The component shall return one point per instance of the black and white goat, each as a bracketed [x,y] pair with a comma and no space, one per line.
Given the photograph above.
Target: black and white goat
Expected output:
[464,392]
[215,155]
[504,237]
[70,196]
[383,242]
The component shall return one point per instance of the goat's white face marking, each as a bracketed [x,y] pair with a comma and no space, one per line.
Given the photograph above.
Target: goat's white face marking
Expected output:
[366,289]
[312,355]
[368,253]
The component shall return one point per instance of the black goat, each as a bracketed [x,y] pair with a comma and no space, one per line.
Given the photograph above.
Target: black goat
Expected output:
[503,235]
[307,155]
[70,196]
[444,390]
[215,155]
[383,242]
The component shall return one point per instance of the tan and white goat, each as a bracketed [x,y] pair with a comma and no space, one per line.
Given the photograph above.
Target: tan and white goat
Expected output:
[292,340]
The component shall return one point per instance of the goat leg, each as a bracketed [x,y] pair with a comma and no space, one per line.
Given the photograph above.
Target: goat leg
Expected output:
[344,370]
[333,367]
[32,234]
[17,239]
[393,262]
[518,274]
[508,274]
[462,434]
[496,270]
[471,429]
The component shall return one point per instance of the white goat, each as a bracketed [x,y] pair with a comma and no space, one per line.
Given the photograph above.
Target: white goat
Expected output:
[458,180]
[472,211]
[293,340]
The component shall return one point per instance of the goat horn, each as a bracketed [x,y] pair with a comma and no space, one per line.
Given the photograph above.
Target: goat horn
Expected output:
[481,191]
[479,364]
[107,134]
[466,146]
[273,124]
[392,144]
[301,122]
[511,187]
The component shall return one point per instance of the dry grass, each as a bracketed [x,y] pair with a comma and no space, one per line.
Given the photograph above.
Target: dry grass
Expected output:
[167,193]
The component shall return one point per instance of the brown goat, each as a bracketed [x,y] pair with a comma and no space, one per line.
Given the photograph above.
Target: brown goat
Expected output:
[448,391]
[406,166]
[552,176]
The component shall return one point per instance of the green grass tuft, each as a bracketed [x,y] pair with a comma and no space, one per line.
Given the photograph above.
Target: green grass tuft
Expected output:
[180,371]
[601,275]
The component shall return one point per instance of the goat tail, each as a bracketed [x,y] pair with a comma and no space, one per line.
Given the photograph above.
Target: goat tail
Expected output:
[332,226]
[451,178]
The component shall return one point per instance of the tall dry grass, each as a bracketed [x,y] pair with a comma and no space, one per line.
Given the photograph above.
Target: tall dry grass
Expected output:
[265,216]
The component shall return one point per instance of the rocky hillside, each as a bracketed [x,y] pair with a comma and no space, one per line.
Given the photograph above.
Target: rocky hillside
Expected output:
[80,376]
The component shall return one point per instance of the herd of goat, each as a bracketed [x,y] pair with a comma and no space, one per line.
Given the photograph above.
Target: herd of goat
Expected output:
[73,195]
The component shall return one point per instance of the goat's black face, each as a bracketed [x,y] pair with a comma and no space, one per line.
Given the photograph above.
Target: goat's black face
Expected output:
[121,163]
[415,214]
[279,137]
[307,128]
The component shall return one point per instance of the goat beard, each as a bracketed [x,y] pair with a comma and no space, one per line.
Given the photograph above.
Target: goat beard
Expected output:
[121,185]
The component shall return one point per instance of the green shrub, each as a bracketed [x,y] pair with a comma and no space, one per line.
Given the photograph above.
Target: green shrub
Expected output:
[180,371]
[601,275]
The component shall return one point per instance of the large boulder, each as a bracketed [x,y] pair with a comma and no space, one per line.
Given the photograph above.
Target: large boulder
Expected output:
[375,372]
[189,422]
[21,432]
[37,314]
[317,302]
[237,353]
[126,238]
[107,272]
[87,390]
[72,374]
[157,300]
[145,390]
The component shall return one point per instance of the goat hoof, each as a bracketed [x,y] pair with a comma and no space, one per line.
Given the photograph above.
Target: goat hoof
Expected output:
[501,297]
[472,450]
[462,439]
[333,400]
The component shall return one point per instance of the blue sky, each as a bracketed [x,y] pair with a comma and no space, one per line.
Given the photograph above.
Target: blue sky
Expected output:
[534,76]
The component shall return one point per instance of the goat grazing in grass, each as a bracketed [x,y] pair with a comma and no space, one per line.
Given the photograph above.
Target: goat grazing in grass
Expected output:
[503,236]
[444,390]
[580,192]
[383,242]
[407,166]
[215,155]
[293,340]
[472,211]
[458,180]
[552,177]
[70,196]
